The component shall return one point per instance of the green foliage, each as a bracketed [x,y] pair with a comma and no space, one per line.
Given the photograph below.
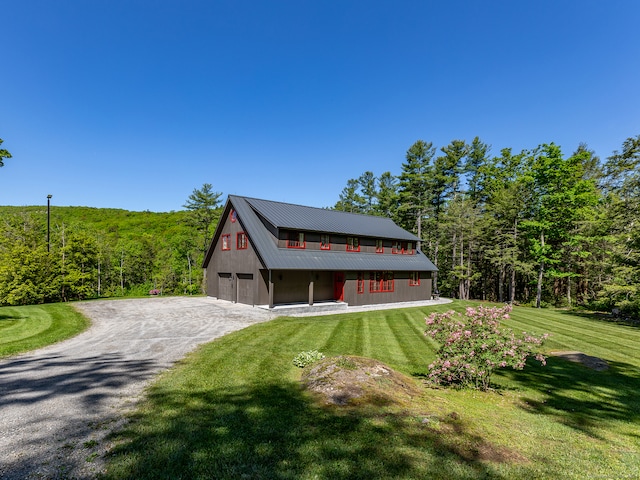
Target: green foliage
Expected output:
[95,253]
[3,154]
[203,205]
[303,359]
[533,227]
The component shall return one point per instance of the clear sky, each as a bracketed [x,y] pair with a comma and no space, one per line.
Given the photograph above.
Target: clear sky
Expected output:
[134,103]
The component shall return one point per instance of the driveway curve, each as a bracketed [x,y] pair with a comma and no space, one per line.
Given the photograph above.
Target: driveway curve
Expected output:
[58,404]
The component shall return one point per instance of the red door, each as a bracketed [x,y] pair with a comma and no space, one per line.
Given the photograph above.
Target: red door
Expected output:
[338,286]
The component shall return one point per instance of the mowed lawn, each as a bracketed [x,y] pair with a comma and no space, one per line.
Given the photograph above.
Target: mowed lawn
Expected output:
[34,326]
[235,408]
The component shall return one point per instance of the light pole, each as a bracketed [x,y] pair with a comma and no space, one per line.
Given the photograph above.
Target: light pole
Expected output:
[49,223]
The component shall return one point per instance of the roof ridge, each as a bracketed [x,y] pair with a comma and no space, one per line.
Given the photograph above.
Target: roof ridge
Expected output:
[324,209]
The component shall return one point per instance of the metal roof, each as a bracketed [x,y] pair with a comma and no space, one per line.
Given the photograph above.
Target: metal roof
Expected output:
[298,217]
[282,215]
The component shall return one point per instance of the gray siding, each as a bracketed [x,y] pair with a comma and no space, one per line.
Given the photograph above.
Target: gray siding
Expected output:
[402,291]
[233,274]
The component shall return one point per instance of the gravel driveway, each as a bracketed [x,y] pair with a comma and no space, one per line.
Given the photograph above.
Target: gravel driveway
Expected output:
[58,404]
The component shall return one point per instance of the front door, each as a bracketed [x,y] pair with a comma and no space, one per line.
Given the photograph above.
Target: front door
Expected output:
[338,286]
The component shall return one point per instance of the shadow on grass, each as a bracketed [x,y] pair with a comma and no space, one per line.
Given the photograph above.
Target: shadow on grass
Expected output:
[604,317]
[580,397]
[276,432]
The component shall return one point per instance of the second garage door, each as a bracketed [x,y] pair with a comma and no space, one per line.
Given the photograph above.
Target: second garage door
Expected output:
[245,288]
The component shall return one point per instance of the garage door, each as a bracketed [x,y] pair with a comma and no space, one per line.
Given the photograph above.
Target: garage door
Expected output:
[225,287]
[245,288]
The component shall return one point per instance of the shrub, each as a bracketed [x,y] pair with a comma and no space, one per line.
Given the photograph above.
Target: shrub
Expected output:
[306,358]
[473,345]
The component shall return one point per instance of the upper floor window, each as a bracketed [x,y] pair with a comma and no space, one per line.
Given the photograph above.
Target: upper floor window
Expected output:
[325,242]
[241,241]
[233,216]
[353,244]
[404,248]
[296,240]
[226,241]
[414,279]
[379,246]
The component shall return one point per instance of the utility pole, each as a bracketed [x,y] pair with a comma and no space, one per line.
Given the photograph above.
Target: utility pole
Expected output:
[49,223]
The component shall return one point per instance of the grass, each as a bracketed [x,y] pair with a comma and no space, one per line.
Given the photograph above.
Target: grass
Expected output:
[235,409]
[34,326]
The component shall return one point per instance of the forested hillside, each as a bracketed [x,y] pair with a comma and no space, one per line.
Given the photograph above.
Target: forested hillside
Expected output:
[97,252]
[538,226]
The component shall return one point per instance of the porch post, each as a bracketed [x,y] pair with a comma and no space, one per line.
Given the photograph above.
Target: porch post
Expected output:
[270,291]
[310,288]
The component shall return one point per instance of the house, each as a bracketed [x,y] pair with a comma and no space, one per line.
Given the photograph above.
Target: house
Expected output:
[268,253]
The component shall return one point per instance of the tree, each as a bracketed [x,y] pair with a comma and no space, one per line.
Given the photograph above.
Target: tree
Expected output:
[350,199]
[3,154]
[507,187]
[388,198]
[622,212]
[477,158]
[414,194]
[563,195]
[443,184]
[203,204]
[369,190]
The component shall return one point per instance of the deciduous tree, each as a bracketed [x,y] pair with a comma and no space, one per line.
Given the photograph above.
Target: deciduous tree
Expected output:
[3,154]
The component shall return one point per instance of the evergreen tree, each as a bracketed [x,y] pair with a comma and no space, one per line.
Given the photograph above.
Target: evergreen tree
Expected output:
[388,197]
[203,204]
[350,199]
[414,194]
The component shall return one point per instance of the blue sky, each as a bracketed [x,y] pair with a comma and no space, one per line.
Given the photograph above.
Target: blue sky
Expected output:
[132,104]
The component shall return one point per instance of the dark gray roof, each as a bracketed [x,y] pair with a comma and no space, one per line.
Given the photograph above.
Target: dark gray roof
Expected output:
[281,215]
[299,217]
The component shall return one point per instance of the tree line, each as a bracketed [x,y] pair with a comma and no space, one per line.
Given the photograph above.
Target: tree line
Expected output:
[94,253]
[536,227]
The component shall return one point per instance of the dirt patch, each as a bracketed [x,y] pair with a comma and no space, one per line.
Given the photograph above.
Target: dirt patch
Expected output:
[355,382]
[588,361]
[347,380]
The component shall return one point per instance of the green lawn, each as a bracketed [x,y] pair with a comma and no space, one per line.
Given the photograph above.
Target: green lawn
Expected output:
[235,409]
[34,326]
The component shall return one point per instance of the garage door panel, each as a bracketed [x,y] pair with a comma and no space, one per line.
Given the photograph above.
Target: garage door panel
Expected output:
[245,288]
[225,286]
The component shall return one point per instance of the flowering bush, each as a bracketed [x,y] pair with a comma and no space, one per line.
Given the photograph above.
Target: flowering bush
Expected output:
[473,345]
[154,291]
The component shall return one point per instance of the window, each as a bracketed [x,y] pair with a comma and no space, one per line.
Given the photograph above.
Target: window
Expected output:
[414,279]
[381,282]
[403,248]
[241,241]
[296,240]
[360,282]
[379,246]
[226,241]
[325,242]
[353,244]
[233,216]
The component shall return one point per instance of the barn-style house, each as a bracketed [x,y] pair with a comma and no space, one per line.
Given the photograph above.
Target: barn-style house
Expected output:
[270,253]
